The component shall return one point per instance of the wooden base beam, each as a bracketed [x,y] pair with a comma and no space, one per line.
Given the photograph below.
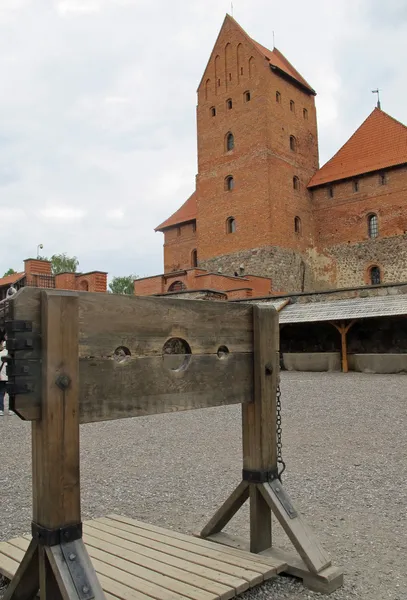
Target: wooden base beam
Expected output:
[325,582]
[313,565]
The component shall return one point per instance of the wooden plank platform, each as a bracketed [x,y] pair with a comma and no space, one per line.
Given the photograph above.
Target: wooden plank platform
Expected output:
[134,560]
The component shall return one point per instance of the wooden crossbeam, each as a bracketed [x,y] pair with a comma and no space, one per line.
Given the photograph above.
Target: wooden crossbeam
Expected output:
[145,383]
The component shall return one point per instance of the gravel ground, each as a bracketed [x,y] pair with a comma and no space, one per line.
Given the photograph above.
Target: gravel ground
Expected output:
[345,443]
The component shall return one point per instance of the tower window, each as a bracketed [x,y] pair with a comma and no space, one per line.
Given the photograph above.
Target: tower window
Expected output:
[297,225]
[375,275]
[305,113]
[382,179]
[229,183]
[230,76]
[330,192]
[218,82]
[296,183]
[229,104]
[293,143]
[247,97]
[355,185]
[372,226]
[292,105]
[194,258]
[230,225]
[278,97]
[213,111]
[230,142]
[241,70]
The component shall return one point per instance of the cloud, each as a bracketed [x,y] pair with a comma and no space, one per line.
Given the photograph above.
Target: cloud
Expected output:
[98,100]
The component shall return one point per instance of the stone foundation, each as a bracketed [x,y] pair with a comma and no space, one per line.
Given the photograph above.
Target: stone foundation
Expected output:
[286,268]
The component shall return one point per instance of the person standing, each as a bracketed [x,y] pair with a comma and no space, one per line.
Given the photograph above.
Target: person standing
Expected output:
[3,378]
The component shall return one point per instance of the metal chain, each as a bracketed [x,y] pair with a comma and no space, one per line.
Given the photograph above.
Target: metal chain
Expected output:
[279,434]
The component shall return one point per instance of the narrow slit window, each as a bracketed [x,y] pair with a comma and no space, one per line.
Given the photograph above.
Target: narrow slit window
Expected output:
[194,258]
[330,192]
[305,113]
[229,183]
[297,225]
[355,185]
[213,111]
[293,143]
[292,106]
[230,142]
[278,97]
[382,179]
[247,97]
[230,225]
[229,104]
[296,183]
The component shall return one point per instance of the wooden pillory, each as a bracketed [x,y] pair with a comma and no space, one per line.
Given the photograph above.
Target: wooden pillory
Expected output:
[80,358]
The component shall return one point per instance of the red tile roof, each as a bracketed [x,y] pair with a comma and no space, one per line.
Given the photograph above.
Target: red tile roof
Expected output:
[279,60]
[10,279]
[186,213]
[379,143]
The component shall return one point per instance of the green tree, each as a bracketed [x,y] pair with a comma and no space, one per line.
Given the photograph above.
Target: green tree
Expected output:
[9,272]
[123,285]
[61,263]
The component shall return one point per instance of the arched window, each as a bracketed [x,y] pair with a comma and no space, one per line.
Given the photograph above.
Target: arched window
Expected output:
[372,226]
[194,258]
[230,141]
[375,275]
[293,143]
[247,96]
[177,286]
[296,183]
[229,104]
[297,225]
[230,225]
[278,97]
[292,105]
[213,111]
[229,183]
[305,113]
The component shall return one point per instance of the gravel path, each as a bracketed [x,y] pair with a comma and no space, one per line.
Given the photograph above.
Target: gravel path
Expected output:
[345,443]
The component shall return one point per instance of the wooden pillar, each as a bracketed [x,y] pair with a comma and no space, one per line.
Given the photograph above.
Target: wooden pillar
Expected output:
[259,421]
[343,330]
[56,489]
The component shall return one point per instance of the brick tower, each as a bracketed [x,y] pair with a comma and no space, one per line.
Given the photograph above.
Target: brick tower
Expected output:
[257,151]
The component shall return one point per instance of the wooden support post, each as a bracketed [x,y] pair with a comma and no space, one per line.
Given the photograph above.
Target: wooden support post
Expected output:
[259,421]
[57,527]
[343,330]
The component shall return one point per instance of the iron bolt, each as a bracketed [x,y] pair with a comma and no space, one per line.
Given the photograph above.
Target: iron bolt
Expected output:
[72,556]
[63,381]
[85,589]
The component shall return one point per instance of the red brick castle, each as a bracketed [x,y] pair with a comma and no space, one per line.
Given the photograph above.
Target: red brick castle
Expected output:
[264,218]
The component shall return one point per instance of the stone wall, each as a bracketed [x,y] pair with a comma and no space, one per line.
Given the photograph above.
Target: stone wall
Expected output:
[354,261]
[285,267]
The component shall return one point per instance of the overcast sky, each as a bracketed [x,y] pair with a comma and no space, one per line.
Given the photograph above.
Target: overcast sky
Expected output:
[97,109]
